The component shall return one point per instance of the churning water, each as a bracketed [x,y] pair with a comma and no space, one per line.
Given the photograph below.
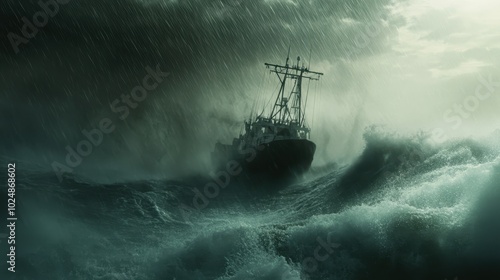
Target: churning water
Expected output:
[403,210]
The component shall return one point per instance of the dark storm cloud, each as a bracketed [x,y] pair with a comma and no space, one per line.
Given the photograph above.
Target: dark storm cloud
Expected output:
[93,51]
[120,32]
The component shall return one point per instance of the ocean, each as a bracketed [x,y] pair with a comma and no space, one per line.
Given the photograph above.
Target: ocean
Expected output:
[404,209]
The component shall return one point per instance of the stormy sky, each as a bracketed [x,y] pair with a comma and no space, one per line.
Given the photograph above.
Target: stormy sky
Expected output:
[408,65]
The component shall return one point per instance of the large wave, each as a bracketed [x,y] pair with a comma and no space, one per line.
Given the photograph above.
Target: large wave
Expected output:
[404,209]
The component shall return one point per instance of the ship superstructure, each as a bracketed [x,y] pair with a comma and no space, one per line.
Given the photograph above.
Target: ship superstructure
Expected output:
[281,138]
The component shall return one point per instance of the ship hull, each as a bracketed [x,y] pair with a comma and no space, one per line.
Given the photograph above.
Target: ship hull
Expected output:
[280,159]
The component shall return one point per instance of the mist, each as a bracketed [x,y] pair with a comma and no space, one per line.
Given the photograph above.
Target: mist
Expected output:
[408,66]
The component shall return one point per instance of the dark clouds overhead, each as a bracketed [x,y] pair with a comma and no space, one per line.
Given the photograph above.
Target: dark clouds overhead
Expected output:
[91,52]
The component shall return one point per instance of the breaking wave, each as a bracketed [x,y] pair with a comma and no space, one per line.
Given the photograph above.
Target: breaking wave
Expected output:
[405,209]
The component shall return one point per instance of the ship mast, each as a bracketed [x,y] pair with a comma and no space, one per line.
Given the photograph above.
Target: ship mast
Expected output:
[281,112]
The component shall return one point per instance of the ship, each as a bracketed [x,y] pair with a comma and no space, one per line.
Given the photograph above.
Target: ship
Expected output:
[276,145]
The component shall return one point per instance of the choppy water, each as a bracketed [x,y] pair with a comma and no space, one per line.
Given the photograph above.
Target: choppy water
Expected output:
[403,210]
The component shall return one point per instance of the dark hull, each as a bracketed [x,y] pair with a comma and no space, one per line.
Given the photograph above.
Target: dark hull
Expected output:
[281,159]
